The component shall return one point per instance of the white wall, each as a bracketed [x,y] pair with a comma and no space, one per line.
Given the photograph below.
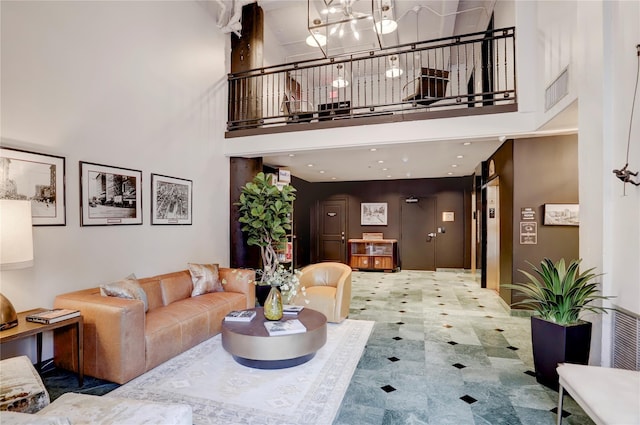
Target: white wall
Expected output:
[133,84]
[610,222]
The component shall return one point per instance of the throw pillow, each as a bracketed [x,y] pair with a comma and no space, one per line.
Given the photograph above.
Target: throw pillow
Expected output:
[205,278]
[128,288]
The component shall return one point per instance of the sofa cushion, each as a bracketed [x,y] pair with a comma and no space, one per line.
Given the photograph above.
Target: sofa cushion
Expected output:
[205,278]
[175,286]
[128,288]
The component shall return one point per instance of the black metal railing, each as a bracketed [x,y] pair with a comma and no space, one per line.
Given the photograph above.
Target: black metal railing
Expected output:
[468,71]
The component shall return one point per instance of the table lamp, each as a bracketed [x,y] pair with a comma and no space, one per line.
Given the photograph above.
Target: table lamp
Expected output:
[16,248]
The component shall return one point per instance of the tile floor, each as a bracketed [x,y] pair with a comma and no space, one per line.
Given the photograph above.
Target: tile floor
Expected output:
[444,351]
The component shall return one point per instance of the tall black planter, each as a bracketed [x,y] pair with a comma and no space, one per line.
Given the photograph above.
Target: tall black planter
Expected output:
[553,344]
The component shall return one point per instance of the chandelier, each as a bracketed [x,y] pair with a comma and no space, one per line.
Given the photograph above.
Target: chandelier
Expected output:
[347,21]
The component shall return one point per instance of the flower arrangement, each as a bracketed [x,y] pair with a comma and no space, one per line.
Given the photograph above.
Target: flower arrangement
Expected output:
[288,281]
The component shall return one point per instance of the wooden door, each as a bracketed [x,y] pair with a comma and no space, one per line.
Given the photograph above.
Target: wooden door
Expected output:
[418,239]
[332,223]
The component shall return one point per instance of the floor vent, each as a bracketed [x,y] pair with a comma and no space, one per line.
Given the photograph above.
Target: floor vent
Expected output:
[557,90]
[626,340]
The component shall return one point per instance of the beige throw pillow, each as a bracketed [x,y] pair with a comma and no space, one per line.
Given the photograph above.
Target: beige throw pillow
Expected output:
[128,288]
[205,278]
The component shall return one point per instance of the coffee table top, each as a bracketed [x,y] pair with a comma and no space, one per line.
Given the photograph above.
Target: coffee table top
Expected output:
[250,340]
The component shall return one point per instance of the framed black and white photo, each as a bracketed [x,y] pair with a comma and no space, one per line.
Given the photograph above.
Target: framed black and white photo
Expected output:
[171,200]
[109,195]
[38,178]
[373,213]
[562,214]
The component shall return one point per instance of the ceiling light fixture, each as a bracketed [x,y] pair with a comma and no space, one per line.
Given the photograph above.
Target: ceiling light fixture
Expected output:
[386,24]
[340,81]
[394,71]
[315,39]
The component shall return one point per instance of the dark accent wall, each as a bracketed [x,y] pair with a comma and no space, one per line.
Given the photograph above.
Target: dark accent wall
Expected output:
[534,172]
[241,171]
[451,194]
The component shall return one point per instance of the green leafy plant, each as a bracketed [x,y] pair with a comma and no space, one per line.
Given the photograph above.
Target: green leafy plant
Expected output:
[559,293]
[265,214]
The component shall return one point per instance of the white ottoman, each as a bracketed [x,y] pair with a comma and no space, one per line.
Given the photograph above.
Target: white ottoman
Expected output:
[96,410]
[21,389]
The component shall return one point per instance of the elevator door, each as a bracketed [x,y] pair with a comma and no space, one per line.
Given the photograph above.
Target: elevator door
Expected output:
[492,221]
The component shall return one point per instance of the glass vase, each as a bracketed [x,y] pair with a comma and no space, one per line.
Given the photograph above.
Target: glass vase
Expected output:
[273,304]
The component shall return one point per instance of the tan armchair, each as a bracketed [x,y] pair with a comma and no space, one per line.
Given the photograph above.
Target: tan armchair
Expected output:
[328,290]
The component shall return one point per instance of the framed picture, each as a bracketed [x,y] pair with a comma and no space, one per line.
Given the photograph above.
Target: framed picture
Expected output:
[562,214]
[36,177]
[171,200]
[373,214]
[109,195]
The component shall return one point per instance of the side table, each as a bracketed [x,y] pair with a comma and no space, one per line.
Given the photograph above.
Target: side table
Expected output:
[27,329]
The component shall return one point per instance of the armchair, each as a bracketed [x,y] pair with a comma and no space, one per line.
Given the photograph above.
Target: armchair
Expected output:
[328,289]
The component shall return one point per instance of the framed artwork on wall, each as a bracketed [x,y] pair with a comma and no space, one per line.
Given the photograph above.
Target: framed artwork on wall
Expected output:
[109,195]
[36,177]
[171,200]
[373,214]
[562,214]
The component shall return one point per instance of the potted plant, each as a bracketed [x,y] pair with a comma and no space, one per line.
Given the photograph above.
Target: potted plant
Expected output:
[266,215]
[558,295]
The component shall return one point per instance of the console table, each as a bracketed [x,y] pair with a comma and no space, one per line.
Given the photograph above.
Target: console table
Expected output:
[27,329]
[373,254]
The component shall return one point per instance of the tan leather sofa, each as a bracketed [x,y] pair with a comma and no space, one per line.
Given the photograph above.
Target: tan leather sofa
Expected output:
[121,342]
[328,289]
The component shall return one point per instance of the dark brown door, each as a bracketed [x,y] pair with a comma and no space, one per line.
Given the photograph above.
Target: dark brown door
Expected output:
[332,244]
[418,243]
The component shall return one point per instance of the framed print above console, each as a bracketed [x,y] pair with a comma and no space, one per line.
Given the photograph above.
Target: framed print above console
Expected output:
[171,200]
[37,177]
[109,195]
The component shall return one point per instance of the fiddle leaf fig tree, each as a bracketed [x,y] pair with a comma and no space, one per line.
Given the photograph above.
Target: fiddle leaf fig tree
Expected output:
[266,215]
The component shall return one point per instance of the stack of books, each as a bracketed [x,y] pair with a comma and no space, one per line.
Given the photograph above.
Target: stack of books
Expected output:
[291,309]
[53,316]
[285,327]
[240,316]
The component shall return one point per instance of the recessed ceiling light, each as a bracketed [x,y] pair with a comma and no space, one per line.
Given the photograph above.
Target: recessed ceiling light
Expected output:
[460,156]
[321,171]
[454,165]
[291,155]
[384,169]
[373,149]
[334,178]
[405,159]
[388,176]
[408,174]
[309,165]
[380,161]
[450,173]
[466,143]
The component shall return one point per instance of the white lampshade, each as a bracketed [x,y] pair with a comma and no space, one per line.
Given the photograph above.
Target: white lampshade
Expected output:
[340,83]
[386,26]
[16,234]
[319,40]
[393,72]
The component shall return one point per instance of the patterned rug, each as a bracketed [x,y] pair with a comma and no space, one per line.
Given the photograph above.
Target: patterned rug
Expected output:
[223,391]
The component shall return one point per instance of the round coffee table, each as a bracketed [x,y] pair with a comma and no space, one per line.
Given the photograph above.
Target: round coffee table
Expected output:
[251,345]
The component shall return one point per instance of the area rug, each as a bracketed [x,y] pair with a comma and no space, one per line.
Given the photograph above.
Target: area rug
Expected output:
[222,391]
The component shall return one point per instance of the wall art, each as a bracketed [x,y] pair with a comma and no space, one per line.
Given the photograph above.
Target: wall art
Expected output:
[562,214]
[373,213]
[37,177]
[171,200]
[109,195]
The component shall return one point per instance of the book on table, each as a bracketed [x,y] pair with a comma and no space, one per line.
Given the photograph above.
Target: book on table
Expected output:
[285,327]
[53,316]
[292,309]
[240,316]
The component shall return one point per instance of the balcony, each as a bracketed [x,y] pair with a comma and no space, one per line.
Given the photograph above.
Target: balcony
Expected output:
[463,75]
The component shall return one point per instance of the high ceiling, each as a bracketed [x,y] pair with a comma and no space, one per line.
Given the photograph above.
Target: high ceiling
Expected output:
[287,24]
